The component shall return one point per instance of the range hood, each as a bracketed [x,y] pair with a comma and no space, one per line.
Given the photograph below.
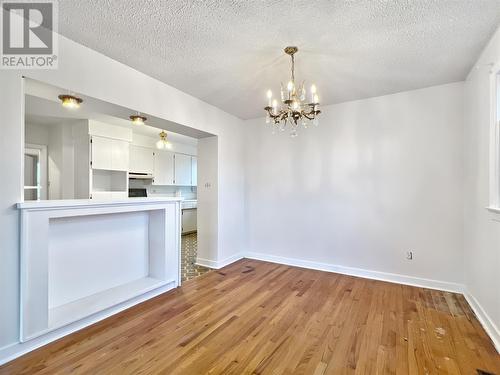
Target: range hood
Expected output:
[140,176]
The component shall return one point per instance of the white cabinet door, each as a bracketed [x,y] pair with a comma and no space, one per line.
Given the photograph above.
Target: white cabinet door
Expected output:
[120,155]
[102,154]
[182,170]
[141,159]
[111,154]
[194,171]
[163,168]
[189,220]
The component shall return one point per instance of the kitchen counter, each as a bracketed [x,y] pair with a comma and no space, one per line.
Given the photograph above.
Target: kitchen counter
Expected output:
[68,203]
[189,204]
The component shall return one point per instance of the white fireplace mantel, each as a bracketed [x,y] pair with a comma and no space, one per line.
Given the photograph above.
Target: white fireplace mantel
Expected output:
[82,258]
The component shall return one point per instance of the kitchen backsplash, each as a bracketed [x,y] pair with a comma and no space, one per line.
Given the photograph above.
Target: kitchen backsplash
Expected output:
[187,192]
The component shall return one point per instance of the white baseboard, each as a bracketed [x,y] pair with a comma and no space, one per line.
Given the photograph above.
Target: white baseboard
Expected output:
[487,323]
[219,264]
[367,274]
[14,350]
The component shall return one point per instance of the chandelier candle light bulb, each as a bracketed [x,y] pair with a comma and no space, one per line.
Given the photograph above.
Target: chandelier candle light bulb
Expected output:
[293,108]
[313,92]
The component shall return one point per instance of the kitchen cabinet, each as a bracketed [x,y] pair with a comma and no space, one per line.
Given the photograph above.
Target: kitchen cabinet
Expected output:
[101,152]
[141,159]
[194,170]
[163,168]
[120,152]
[189,220]
[110,154]
[182,170]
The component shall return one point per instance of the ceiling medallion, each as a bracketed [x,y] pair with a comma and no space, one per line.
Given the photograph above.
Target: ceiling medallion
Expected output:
[293,108]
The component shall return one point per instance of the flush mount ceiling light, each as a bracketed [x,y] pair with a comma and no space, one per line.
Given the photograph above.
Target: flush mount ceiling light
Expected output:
[163,143]
[138,119]
[294,108]
[70,101]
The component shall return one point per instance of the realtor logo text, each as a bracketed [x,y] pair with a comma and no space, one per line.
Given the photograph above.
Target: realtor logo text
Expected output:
[29,35]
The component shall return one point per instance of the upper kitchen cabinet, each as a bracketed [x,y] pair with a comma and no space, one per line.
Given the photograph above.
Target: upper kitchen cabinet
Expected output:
[109,146]
[183,170]
[110,154]
[101,154]
[163,168]
[141,159]
[194,171]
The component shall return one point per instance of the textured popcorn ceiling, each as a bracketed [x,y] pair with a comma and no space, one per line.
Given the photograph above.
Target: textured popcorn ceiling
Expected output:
[228,53]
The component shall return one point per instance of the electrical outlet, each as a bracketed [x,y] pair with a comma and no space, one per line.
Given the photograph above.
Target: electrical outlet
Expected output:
[409,255]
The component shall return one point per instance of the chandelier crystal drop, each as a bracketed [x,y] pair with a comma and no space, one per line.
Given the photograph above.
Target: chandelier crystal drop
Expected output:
[295,107]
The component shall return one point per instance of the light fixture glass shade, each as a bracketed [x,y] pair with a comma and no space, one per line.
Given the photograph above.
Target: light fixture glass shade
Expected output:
[163,143]
[138,119]
[70,101]
[160,145]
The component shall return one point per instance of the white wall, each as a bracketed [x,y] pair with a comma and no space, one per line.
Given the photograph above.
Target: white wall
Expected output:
[60,148]
[378,177]
[90,73]
[11,159]
[207,213]
[37,134]
[482,228]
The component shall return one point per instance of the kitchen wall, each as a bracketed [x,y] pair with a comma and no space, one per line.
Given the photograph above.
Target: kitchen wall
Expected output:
[482,228]
[91,73]
[377,178]
[187,192]
[60,159]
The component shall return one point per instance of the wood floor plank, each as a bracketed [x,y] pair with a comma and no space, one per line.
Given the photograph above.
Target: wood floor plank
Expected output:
[255,317]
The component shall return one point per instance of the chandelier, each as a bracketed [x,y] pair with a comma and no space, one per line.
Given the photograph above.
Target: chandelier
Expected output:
[294,108]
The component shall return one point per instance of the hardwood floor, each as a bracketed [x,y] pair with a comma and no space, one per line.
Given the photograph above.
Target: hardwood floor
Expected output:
[262,318]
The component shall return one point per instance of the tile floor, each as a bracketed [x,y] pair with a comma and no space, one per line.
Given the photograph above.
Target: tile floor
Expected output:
[189,249]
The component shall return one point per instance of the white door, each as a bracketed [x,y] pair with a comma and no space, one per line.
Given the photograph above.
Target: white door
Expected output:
[163,168]
[120,155]
[194,170]
[182,170]
[141,159]
[102,154]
